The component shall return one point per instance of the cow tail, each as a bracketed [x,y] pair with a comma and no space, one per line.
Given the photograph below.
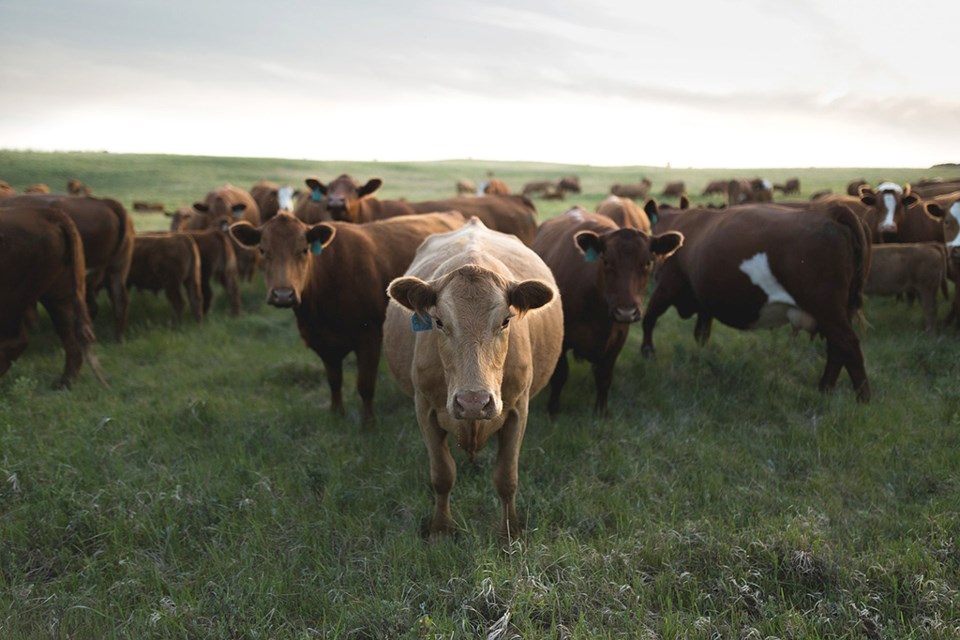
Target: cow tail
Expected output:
[860,244]
[83,326]
[194,289]
[231,275]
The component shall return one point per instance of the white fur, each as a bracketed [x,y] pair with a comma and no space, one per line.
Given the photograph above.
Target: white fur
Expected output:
[766,184]
[285,198]
[576,213]
[780,307]
[890,201]
[955,212]
[890,186]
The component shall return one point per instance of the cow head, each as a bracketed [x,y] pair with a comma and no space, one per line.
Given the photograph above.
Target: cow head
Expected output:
[287,247]
[179,218]
[218,213]
[471,311]
[626,258]
[343,195]
[888,205]
[946,209]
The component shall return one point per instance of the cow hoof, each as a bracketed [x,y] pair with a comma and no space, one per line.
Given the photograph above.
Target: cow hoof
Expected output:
[647,351]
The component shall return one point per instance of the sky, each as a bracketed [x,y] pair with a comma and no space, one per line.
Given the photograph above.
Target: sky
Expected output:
[719,83]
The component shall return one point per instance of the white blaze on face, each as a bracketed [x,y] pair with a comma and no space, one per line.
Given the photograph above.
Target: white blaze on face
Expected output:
[758,270]
[954,211]
[285,198]
[891,192]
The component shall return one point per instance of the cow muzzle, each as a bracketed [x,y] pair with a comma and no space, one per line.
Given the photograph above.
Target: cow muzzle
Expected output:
[626,314]
[283,297]
[474,405]
[887,228]
[337,207]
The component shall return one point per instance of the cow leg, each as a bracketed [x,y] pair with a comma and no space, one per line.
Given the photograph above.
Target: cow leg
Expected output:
[843,351]
[557,380]
[232,287]
[701,333]
[65,322]
[172,291]
[660,301]
[334,368]
[207,292]
[194,297]
[94,281]
[120,300]
[505,475]
[603,372]
[368,360]
[443,471]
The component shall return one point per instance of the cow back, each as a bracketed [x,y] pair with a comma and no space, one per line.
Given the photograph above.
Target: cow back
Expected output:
[516,215]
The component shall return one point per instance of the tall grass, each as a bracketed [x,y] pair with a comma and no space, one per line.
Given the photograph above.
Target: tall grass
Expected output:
[209,493]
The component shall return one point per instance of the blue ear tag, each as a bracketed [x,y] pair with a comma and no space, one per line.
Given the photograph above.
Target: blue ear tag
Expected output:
[591,255]
[316,196]
[421,324]
[237,213]
[316,247]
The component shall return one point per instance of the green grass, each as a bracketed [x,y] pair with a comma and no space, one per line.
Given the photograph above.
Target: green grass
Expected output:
[209,493]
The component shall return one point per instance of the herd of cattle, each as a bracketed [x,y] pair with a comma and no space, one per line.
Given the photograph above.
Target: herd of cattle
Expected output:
[486,302]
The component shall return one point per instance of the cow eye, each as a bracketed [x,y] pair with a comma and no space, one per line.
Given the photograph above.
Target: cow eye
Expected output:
[506,322]
[439,323]
[262,252]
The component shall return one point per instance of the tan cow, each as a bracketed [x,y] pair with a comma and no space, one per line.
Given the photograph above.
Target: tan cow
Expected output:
[466,187]
[475,333]
[38,187]
[625,213]
[221,208]
[909,268]
[41,259]
[168,261]
[6,189]
[496,187]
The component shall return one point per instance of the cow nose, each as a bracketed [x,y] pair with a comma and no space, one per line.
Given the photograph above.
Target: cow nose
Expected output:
[282,297]
[473,405]
[888,227]
[626,314]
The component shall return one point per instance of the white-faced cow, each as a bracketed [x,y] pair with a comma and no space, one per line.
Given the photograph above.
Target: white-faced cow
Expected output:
[475,333]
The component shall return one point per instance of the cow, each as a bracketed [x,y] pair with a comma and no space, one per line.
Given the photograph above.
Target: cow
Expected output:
[636,191]
[334,276]
[909,268]
[77,188]
[601,270]
[537,187]
[148,207]
[347,200]
[168,261]
[496,187]
[6,189]
[271,198]
[108,236]
[761,190]
[715,186]
[790,187]
[945,209]
[222,207]
[568,184]
[466,187]
[510,214]
[311,205]
[853,187]
[218,261]
[38,187]
[887,207]
[625,213]
[761,266]
[674,189]
[934,188]
[41,259]
[473,333]
[178,219]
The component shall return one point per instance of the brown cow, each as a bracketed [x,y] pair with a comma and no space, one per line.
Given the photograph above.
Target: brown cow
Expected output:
[568,184]
[934,188]
[108,235]
[487,332]
[602,271]
[6,189]
[38,187]
[946,210]
[496,187]
[761,266]
[673,189]
[271,198]
[334,277]
[909,268]
[345,199]
[218,261]
[466,187]
[41,259]
[537,187]
[790,187]
[148,207]
[178,219]
[311,206]
[509,214]
[221,208]
[715,186]
[77,188]
[761,190]
[637,191]
[887,208]
[625,213]
[168,261]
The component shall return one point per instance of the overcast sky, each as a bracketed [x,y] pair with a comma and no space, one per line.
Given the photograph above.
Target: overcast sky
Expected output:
[718,83]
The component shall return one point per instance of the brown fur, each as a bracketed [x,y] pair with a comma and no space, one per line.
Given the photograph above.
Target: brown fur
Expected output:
[218,261]
[496,187]
[168,261]
[346,200]
[909,268]
[516,215]
[221,208]
[625,213]
[636,191]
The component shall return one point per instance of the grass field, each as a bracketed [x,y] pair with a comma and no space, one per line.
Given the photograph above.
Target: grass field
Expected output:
[208,493]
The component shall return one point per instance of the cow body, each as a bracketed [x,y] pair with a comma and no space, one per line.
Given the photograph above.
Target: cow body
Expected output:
[601,271]
[496,187]
[492,338]
[516,215]
[636,191]
[218,261]
[674,189]
[267,196]
[909,268]
[761,266]
[41,259]
[625,213]
[108,236]
[167,262]
[338,295]
[221,208]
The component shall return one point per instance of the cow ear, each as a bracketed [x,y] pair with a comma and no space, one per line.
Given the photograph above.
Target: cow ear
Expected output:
[652,210]
[372,185]
[412,293]
[909,198]
[529,294]
[665,245]
[245,233]
[684,201]
[319,236]
[589,244]
[867,196]
[935,211]
[201,207]
[316,185]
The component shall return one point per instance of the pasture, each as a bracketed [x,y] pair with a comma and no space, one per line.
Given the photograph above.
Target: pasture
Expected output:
[208,492]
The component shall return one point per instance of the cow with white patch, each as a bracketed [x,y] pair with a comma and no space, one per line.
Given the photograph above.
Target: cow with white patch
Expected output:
[762,266]
[474,333]
[887,207]
[946,210]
